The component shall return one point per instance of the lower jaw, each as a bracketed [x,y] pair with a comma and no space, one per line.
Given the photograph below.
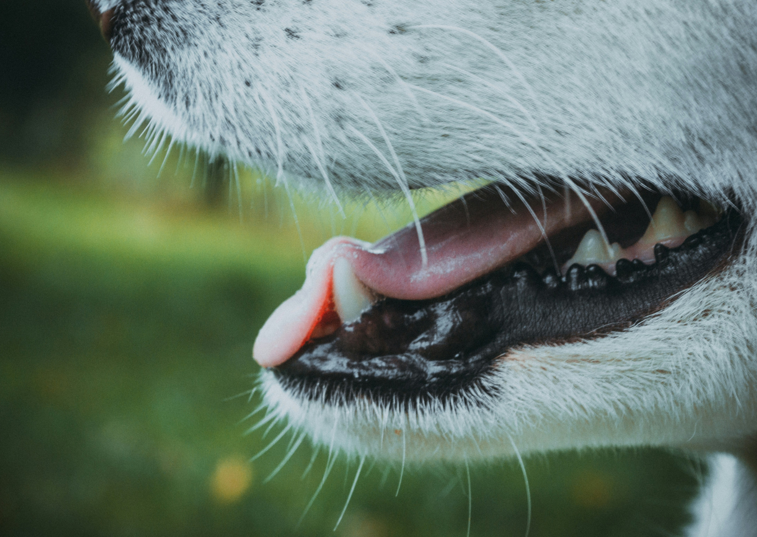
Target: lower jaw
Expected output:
[406,352]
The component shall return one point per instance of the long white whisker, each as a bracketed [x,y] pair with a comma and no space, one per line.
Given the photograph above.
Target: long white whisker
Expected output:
[479,111]
[470,496]
[401,181]
[238,183]
[380,155]
[279,140]
[542,230]
[515,103]
[246,393]
[288,456]
[352,490]
[272,443]
[564,176]
[309,467]
[262,422]
[500,54]
[165,159]
[402,468]
[525,480]
[329,465]
[320,157]
[251,414]
[325,176]
[403,85]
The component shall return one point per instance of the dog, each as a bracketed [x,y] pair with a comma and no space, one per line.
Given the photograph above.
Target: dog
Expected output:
[598,290]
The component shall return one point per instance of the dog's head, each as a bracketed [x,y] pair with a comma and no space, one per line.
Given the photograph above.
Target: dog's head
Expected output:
[580,114]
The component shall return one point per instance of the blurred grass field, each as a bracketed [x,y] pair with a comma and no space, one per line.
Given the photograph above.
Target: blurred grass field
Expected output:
[128,309]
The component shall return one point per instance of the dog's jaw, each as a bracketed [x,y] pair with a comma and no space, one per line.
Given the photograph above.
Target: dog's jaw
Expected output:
[683,378]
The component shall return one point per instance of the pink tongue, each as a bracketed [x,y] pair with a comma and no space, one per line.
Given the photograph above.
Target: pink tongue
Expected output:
[464,240]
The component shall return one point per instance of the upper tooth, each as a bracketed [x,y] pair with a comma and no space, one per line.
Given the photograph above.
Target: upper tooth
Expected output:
[351,297]
[595,250]
[692,222]
[667,222]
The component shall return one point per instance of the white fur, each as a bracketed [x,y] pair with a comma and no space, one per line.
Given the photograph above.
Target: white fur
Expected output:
[728,505]
[435,91]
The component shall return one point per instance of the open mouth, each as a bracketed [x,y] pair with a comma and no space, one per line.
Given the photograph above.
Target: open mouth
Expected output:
[406,320]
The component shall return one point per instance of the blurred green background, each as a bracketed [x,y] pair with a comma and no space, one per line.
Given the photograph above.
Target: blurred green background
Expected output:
[129,301]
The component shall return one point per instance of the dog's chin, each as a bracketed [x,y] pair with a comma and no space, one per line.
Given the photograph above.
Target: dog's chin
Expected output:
[669,369]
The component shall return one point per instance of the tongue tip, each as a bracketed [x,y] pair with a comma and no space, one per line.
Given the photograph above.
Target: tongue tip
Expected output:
[284,332]
[292,324]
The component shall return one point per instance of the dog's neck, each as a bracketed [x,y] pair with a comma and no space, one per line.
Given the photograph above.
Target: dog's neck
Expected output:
[727,506]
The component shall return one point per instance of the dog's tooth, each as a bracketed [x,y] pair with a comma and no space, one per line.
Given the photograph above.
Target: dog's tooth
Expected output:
[667,222]
[351,297]
[693,222]
[594,250]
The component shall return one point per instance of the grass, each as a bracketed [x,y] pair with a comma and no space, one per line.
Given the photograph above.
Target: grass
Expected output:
[126,326]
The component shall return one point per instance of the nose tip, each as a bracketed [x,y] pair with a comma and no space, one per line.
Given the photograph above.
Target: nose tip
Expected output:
[103,19]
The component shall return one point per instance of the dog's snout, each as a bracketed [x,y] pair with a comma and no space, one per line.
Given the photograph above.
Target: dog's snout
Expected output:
[103,19]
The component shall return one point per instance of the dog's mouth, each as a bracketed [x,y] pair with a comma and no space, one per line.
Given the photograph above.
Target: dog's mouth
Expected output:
[401,321]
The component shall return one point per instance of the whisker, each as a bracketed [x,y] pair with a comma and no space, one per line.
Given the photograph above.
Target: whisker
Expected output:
[565,177]
[238,184]
[380,155]
[470,496]
[262,422]
[243,394]
[309,467]
[402,182]
[403,85]
[165,159]
[515,103]
[286,458]
[402,468]
[542,230]
[352,490]
[319,159]
[500,54]
[329,465]
[525,480]
[270,428]
[272,443]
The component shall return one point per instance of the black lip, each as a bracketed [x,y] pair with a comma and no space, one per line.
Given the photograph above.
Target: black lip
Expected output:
[405,352]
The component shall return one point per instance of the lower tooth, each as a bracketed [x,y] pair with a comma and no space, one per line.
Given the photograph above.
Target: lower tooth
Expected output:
[595,250]
[351,297]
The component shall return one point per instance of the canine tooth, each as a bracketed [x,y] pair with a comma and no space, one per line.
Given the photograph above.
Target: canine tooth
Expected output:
[594,250]
[351,297]
[692,222]
[667,222]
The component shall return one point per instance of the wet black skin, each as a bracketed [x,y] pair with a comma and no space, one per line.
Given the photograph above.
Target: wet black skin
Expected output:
[407,351]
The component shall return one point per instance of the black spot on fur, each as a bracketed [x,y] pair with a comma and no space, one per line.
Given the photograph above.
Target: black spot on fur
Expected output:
[292,33]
